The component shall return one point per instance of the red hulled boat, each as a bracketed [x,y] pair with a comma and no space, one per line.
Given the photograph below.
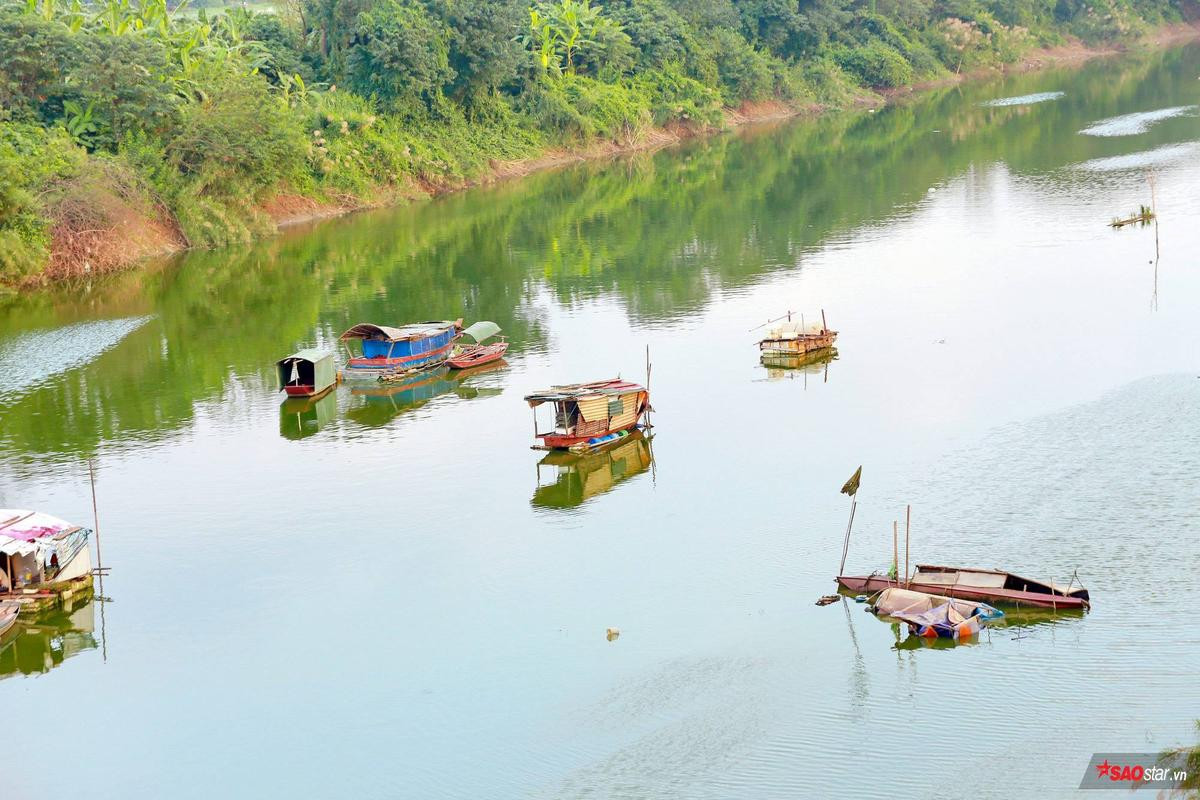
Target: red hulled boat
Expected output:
[590,412]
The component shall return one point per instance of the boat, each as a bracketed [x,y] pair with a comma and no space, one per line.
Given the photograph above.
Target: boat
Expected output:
[975,583]
[933,615]
[43,560]
[307,373]
[8,614]
[467,356]
[788,339]
[586,415]
[389,352]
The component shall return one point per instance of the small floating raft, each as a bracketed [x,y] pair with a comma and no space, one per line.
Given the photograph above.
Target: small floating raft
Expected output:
[788,339]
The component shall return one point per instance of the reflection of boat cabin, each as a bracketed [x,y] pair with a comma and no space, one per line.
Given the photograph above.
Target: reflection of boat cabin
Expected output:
[576,477]
[307,373]
[586,413]
[388,350]
[36,548]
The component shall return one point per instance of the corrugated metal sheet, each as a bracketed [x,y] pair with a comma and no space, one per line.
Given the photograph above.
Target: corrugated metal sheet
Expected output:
[594,408]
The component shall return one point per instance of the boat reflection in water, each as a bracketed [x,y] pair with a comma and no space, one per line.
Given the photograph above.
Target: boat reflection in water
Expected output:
[40,645]
[377,405]
[789,367]
[301,417]
[579,476]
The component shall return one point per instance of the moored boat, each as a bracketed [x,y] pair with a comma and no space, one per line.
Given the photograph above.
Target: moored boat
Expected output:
[466,356]
[8,614]
[43,560]
[586,415]
[789,339]
[307,373]
[389,352]
[974,583]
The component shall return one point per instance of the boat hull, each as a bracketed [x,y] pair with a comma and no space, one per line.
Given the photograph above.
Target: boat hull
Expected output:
[8,615]
[476,356]
[799,346]
[562,442]
[870,584]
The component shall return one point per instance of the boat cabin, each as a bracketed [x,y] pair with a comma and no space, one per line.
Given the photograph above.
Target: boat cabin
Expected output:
[589,415]
[387,350]
[307,373]
[36,549]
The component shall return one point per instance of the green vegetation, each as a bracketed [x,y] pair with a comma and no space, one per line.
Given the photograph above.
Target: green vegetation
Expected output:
[194,119]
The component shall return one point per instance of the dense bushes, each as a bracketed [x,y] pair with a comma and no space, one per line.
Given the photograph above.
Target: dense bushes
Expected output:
[201,117]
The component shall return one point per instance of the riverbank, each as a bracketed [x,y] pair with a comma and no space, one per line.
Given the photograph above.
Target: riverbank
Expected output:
[110,226]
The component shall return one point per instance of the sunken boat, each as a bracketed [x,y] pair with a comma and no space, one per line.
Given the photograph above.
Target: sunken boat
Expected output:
[588,416]
[975,583]
[389,353]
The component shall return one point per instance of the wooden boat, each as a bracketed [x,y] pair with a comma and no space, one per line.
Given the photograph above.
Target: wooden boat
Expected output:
[8,614]
[973,583]
[466,356]
[307,373]
[588,413]
[390,352]
[791,339]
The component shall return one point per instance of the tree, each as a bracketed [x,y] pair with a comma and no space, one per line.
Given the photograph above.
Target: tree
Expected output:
[570,34]
[399,54]
[484,50]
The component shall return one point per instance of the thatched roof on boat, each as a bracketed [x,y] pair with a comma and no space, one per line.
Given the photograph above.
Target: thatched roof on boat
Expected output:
[579,391]
[384,333]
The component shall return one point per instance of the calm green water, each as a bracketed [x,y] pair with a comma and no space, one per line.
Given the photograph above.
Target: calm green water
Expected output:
[390,595]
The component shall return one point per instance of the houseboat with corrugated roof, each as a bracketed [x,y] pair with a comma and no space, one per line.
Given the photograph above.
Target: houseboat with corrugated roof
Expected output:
[590,415]
[393,352]
[43,559]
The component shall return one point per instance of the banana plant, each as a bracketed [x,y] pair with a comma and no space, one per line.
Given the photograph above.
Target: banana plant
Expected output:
[79,124]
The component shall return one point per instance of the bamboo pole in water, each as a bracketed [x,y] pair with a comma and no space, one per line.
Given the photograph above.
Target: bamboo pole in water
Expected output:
[896,551]
[907,526]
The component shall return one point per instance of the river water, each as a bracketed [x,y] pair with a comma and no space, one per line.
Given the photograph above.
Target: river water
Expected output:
[390,595]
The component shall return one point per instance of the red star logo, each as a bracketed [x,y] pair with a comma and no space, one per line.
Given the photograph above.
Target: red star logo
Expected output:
[1103,769]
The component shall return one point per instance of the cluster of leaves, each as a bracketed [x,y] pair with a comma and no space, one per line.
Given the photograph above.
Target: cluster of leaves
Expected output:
[343,99]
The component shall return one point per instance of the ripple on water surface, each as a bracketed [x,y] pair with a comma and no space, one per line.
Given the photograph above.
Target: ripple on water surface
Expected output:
[1133,124]
[1023,100]
[1158,157]
[33,357]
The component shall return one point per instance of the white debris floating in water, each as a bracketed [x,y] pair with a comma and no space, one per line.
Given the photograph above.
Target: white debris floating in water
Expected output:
[1023,100]
[1133,124]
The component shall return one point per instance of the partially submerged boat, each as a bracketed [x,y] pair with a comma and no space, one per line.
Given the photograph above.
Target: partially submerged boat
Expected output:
[974,583]
[935,616]
[43,559]
[307,373]
[393,352]
[788,339]
[590,415]
[467,356]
